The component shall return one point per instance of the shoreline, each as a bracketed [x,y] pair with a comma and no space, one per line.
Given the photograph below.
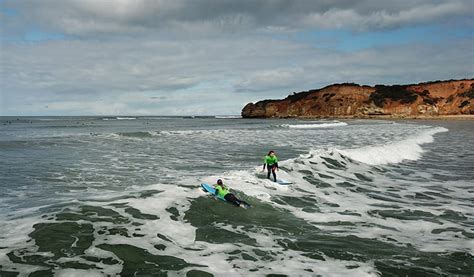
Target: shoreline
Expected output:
[438,117]
[447,117]
[376,117]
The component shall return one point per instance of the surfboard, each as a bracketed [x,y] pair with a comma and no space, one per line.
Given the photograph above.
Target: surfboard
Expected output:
[210,189]
[283,182]
[279,181]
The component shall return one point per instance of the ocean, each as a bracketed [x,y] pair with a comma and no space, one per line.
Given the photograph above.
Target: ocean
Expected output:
[120,196]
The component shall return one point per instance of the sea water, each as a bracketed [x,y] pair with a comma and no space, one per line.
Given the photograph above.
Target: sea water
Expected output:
[108,196]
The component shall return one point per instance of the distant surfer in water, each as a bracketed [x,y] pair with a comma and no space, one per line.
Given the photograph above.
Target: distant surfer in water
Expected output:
[223,191]
[271,162]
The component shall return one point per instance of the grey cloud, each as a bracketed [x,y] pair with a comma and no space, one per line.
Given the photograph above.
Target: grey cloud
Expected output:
[81,17]
[97,66]
[177,57]
[117,76]
[270,79]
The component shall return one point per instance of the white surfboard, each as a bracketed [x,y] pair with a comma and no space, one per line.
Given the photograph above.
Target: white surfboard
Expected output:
[283,182]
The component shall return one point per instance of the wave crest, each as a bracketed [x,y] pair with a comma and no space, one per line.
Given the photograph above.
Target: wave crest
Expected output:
[314,125]
[395,152]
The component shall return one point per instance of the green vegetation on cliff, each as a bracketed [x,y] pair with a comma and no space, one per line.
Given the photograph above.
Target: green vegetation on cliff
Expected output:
[395,93]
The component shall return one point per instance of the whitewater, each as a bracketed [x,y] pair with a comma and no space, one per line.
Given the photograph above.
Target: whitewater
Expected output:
[108,196]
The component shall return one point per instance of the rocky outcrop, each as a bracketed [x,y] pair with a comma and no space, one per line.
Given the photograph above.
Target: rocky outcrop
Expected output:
[454,97]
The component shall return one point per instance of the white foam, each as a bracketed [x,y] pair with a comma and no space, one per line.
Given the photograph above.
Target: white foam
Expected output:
[173,196]
[365,224]
[314,126]
[78,273]
[227,116]
[14,235]
[395,152]
[215,256]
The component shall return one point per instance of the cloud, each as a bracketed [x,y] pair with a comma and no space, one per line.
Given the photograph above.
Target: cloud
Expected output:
[98,66]
[168,77]
[380,19]
[271,79]
[206,57]
[209,17]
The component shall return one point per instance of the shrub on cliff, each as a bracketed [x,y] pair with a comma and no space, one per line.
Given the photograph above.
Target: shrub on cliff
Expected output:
[395,93]
[425,93]
[469,93]
[296,96]
[430,101]
[463,104]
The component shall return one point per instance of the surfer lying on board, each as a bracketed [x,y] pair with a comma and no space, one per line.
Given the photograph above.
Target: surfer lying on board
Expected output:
[223,191]
[271,161]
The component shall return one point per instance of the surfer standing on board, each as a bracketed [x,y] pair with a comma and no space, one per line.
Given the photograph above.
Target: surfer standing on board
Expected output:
[223,192]
[271,162]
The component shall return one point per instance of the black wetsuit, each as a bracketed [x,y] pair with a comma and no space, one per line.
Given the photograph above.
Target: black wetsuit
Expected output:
[271,169]
[229,197]
[232,199]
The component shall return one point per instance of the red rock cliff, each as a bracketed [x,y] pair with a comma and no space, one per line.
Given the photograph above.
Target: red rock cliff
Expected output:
[352,100]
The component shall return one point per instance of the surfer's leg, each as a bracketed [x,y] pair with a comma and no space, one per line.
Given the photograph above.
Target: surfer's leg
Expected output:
[232,199]
[269,170]
[245,203]
[274,173]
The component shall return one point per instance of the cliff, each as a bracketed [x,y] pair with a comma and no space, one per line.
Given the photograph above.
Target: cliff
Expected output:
[454,97]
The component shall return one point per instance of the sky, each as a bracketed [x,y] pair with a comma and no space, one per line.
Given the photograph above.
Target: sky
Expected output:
[211,57]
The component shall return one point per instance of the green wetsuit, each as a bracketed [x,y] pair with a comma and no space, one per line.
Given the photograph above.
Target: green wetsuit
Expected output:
[270,160]
[221,191]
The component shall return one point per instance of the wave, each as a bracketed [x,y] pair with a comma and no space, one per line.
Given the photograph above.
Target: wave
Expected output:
[139,134]
[314,125]
[395,152]
[199,117]
[346,201]
[119,118]
[227,116]
[161,117]
[332,186]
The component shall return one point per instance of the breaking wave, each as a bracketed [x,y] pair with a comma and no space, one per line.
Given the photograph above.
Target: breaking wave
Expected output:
[119,118]
[314,125]
[394,152]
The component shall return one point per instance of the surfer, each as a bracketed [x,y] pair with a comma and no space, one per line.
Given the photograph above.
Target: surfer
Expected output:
[223,191]
[271,162]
